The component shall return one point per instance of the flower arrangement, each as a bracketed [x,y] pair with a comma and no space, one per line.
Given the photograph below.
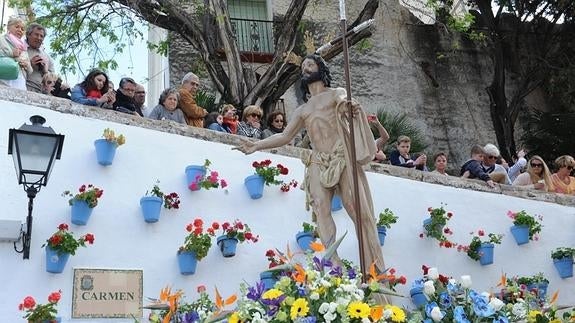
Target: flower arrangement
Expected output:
[435,226]
[268,172]
[110,136]
[209,180]
[523,218]
[472,249]
[317,291]
[386,218]
[238,230]
[40,312]
[171,200]
[563,252]
[185,312]
[197,240]
[63,241]
[87,193]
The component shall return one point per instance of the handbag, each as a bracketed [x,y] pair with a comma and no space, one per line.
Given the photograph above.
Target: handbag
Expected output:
[9,68]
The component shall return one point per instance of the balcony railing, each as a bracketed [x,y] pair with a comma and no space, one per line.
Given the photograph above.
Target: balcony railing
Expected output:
[255,36]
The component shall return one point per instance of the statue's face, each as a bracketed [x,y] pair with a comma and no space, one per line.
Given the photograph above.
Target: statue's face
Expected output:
[308,67]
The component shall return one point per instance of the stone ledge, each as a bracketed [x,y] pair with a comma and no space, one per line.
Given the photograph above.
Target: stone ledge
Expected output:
[67,106]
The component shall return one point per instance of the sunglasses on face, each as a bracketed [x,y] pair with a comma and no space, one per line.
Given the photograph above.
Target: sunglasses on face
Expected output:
[569,167]
[255,115]
[50,82]
[535,165]
[491,157]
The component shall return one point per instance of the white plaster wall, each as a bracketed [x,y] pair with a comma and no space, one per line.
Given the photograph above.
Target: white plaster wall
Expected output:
[125,241]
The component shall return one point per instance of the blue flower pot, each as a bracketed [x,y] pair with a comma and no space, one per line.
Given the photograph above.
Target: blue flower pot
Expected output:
[193,174]
[187,262]
[255,186]
[417,296]
[564,267]
[381,233]
[268,278]
[151,208]
[55,262]
[520,233]
[57,319]
[105,151]
[304,239]
[80,212]
[336,203]
[541,289]
[486,252]
[227,245]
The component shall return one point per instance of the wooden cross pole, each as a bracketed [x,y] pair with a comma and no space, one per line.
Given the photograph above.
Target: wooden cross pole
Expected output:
[357,202]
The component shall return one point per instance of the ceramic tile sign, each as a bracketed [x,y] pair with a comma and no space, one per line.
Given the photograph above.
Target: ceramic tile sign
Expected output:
[107,293]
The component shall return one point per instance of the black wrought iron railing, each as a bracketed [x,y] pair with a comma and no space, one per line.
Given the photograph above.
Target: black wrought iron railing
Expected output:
[254,35]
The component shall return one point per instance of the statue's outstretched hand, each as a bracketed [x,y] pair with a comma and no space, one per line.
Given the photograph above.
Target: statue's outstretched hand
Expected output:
[247,147]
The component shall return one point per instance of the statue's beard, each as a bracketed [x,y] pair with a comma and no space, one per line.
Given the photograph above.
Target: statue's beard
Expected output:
[311,78]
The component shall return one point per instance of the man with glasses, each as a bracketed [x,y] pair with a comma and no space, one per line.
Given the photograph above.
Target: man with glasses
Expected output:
[125,97]
[492,168]
[194,113]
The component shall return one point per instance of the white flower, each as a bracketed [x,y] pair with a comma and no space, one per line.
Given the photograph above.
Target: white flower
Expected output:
[496,303]
[387,313]
[328,317]
[365,320]
[323,308]
[466,281]
[433,273]
[314,296]
[428,288]
[519,310]
[436,314]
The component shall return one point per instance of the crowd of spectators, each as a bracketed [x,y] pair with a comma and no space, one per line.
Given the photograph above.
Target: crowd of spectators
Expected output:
[36,74]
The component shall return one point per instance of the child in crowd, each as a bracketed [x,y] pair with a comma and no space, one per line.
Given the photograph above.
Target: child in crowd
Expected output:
[214,121]
[167,107]
[472,168]
[401,156]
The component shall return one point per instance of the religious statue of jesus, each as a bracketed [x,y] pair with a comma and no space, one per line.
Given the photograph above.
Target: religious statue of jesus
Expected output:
[329,167]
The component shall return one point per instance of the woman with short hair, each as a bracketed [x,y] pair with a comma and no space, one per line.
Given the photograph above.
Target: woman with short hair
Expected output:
[250,126]
[562,179]
[13,47]
[276,123]
[537,176]
[167,108]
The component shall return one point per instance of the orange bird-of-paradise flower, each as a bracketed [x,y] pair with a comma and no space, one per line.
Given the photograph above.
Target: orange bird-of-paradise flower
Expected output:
[554,298]
[172,300]
[299,276]
[221,303]
[316,246]
[503,281]
[376,313]
[373,276]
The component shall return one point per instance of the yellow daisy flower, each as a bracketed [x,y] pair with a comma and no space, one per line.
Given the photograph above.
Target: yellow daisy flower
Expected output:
[358,310]
[299,308]
[397,314]
[234,318]
[272,294]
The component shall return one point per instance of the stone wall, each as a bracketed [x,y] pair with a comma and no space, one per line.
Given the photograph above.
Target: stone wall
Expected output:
[66,106]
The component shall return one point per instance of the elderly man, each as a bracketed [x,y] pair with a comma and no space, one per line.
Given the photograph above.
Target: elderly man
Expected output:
[39,59]
[329,167]
[193,112]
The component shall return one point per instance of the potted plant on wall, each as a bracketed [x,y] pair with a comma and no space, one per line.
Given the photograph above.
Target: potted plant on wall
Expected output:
[563,261]
[434,226]
[384,222]
[61,245]
[151,203]
[41,313]
[232,234]
[270,277]
[305,237]
[536,284]
[195,247]
[198,177]
[265,175]
[526,227]
[83,202]
[106,148]
[481,247]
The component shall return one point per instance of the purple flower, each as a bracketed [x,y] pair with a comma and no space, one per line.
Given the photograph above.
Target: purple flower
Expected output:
[336,271]
[255,293]
[320,264]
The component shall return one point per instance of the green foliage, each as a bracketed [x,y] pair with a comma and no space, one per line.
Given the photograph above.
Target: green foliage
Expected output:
[386,218]
[398,124]
[523,218]
[161,47]
[364,45]
[89,194]
[308,227]
[439,218]
[562,252]
[63,241]
[197,240]
[477,241]
[528,280]
[207,101]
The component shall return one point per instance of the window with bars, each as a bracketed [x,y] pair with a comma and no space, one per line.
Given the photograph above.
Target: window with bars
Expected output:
[251,25]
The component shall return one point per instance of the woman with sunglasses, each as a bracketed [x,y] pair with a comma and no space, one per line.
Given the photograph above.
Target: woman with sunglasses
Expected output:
[250,126]
[562,179]
[536,176]
[276,123]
